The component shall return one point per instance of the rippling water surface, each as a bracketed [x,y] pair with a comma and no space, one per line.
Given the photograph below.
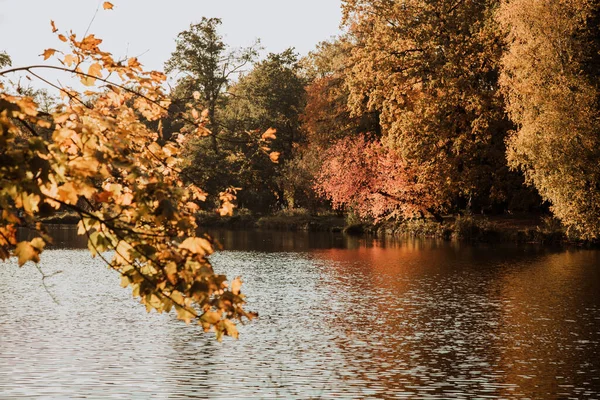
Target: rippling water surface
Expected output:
[340,318]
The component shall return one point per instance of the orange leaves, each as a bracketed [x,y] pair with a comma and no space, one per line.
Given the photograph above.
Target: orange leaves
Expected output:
[48,53]
[95,71]
[274,156]
[54,28]
[89,43]
[105,155]
[197,245]
[227,197]
[236,286]
[269,134]
[133,63]
[29,251]
[70,59]
[107,5]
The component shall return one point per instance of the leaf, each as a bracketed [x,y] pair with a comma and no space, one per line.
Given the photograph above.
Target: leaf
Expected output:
[196,95]
[197,245]
[211,317]
[231,329]
[236,285]
[48,53]
[107,5]
[26,252]
[269,134]
[54,28]
[62,37]
[274,156]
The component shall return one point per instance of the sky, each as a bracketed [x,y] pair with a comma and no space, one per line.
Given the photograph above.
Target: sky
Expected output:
[147,28]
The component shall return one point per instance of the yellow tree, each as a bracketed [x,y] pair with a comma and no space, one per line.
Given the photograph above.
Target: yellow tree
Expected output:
[95,155]
[550,78]
[430,69]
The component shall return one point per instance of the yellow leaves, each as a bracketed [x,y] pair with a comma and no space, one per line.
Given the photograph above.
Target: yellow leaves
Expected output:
[27,201]
[236,285]
[269,134]
[95,71]
[133,63]
[70,59]
[230,329]
[274,156]
[211,317]
[171,272]
[107,5]
[67,193]
[184,314]
[48,53]
[197,193]
[29,251]
[197,245]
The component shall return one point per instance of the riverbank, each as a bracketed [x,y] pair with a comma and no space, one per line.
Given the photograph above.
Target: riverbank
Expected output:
[524,228]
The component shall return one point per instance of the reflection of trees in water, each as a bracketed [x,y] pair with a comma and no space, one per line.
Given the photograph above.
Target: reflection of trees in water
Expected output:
[549,327]
[426,317]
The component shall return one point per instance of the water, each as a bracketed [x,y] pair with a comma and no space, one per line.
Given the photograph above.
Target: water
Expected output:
[340,318]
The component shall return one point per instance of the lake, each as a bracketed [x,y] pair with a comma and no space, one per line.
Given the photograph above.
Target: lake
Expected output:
[340,317]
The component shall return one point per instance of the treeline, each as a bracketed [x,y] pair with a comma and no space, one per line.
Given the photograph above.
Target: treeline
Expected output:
[421,108]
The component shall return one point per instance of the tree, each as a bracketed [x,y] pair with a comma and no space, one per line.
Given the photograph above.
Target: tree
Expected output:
[5,60]
[102,153]
[327,116]
[360,173]
[269,98]
[207,65]
[430,68]
[550,78]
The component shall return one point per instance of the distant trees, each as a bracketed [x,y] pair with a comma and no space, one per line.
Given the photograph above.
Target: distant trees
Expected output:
[270,96]
[550,77]
[4,59]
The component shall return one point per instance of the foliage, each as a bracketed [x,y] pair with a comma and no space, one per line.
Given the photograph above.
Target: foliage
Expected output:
[5,60]
[373,181]
[550,79]
[430,69]
[327,117]
[268,99]
[101,160]
[206,65]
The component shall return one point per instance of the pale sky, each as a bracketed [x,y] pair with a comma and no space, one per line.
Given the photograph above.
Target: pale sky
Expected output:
[147,28]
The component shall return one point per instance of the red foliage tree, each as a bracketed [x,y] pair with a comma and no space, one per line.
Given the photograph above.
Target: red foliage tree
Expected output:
[375,181]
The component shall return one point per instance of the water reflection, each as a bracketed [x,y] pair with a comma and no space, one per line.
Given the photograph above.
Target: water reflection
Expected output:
[340,318]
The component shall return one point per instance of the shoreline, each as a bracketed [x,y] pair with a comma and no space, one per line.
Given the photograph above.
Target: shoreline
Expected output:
[535,229]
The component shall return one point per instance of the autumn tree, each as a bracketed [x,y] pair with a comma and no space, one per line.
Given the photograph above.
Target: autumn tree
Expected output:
[361,174]
[430,69]
[101,152]
[327,116]
[550,78]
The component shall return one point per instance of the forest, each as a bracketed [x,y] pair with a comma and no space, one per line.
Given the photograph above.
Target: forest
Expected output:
[419,110]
